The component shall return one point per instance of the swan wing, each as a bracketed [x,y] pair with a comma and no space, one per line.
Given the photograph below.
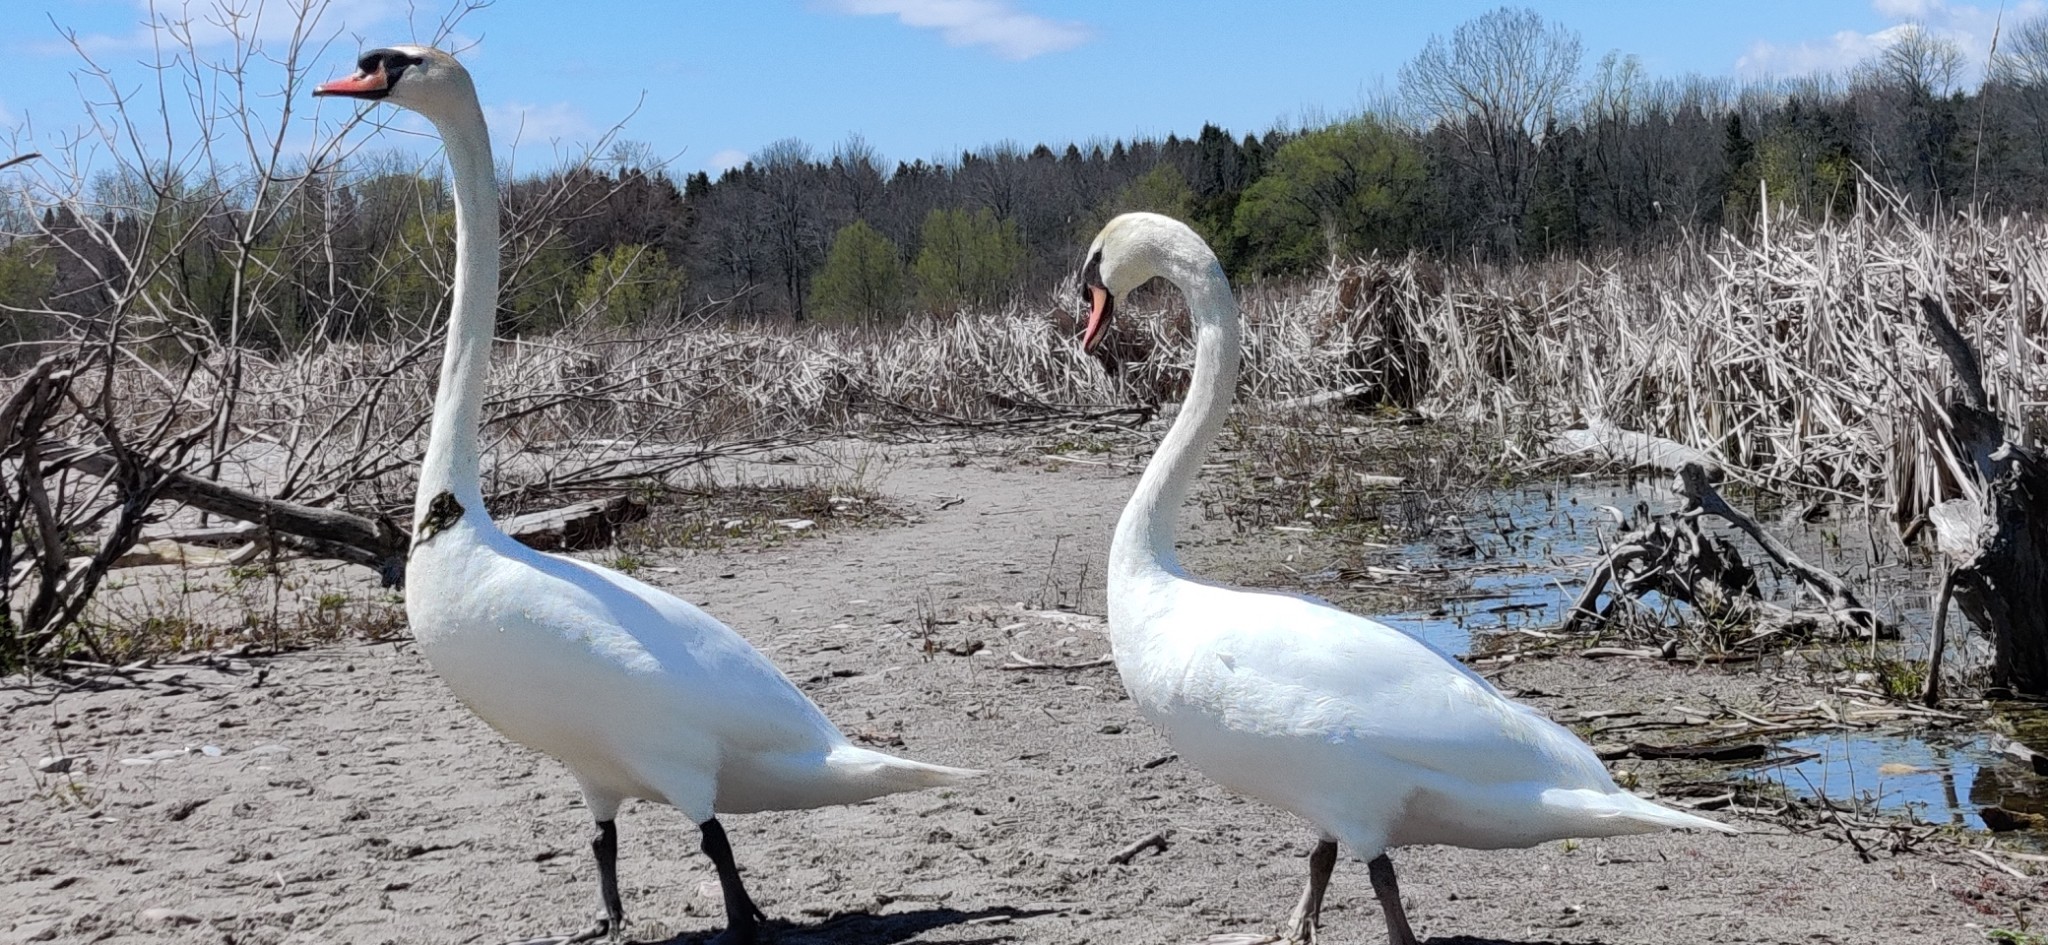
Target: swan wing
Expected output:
[1293,666]
[629,660]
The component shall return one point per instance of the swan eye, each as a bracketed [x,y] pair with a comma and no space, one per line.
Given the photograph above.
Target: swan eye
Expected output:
[391,62]
[1091,277]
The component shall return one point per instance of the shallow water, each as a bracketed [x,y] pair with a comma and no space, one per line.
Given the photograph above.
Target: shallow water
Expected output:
[1522,558]
[1519,560]
[1938,780]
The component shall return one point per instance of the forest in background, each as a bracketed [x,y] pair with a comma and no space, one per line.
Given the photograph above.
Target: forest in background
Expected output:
[1499,143]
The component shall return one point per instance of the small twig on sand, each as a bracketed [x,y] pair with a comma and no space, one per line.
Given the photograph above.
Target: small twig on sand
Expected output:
[1027,663]
[1156,841]
[1848,832]
[1994,864]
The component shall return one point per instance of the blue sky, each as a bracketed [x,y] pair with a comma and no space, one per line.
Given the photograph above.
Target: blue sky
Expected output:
[712,82]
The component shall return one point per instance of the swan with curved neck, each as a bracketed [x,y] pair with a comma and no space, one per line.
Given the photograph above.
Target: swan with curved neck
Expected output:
[638,692]
[1370,734]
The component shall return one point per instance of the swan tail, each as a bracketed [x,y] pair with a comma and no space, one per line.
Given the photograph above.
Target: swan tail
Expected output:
[876,773]
[1624,813]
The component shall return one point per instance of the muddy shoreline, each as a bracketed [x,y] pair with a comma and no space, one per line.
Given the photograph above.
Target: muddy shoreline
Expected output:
[340,794]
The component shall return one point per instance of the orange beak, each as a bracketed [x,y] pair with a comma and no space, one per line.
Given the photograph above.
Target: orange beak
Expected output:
[1101,307]
[360,85]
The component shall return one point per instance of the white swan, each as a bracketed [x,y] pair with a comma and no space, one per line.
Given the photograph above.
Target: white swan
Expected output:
[639,693]
[1370,734]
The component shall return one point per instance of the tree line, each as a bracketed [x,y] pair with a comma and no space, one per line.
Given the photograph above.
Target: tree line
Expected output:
[1499,143]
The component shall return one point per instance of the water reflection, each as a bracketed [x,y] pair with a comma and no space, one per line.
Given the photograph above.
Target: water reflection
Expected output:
[1896,773]
[1520,559]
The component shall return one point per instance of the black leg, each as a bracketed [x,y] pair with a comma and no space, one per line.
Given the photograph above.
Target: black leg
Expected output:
[605,846]
[742,917]
[1389,893]
[1307,919]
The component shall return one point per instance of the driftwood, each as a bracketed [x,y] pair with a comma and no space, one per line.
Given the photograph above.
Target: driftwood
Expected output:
[1603,440]
[1156,841]
[163,551]
[1668,555]
[1673,556]
[379,543]
[1842,603]
[1739,751]
[220,536]
[1324,399]
[376,543]
[2013,749]
[1996,534]
[575,527]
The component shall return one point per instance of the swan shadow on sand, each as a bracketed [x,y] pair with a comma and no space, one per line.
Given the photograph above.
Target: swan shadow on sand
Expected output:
[867,928]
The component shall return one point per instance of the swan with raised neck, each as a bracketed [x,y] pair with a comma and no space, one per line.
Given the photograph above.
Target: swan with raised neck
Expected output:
[638,692]
[1372,735]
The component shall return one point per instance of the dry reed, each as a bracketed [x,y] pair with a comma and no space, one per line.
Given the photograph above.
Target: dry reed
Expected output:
[1795,358]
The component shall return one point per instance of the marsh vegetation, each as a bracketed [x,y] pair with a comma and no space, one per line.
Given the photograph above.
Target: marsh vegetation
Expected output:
[218,373]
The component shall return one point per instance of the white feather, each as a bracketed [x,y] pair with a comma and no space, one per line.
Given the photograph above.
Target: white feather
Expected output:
[1371,734]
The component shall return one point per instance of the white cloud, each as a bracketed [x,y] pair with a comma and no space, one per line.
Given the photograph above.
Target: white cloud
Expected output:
[1009,33]
[1837,53]
[204,25]
[726,160]
[518,123]
[1970,26]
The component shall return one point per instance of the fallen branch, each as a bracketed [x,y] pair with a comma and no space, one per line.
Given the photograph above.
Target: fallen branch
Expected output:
[375,543]
[1746,751]
[1319,400]
[574,527]
[1631,449]
[1026,663]
[1156,841]
[1842,602]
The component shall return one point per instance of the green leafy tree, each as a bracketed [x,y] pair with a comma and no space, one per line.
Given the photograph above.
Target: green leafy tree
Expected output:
[862,279]
[28,277]
[411,273]
[630,284]
[1161,190]
[966,259]
[1349,188]
[542,276]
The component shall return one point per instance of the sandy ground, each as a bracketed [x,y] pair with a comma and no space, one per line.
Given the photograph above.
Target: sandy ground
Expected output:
[341,795]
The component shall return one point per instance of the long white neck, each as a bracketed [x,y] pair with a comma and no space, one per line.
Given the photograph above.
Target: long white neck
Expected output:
[1145,534]
[451,463]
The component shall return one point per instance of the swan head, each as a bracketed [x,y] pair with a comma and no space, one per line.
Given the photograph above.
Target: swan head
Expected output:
[420,78]
[1131,250]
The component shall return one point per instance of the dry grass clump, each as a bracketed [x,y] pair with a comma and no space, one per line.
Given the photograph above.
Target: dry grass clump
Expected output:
[1795,357]
[1798,358]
